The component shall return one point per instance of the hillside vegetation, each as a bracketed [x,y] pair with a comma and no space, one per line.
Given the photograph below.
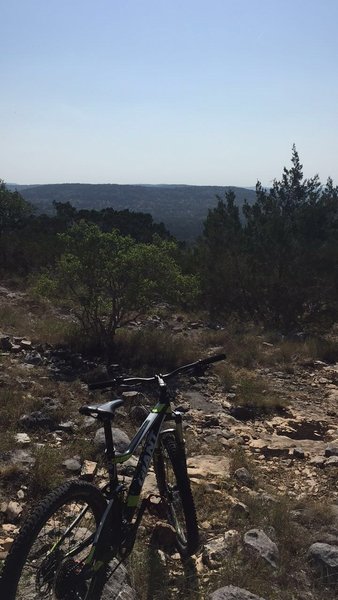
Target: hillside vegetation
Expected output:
[182,208]
[86,294]
[273,264]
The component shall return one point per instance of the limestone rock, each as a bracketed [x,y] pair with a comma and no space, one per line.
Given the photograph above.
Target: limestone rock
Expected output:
[6,543]
[26,344]
[22,439]
[208,466]
[72,464]
[261,544]
[88,470]
[332,449]
[231,592]
[238,510]
[13,511]
[120,438]
[325,558]
[216,549]
[331,462]
[67,426]
[37,420]
[244,477]
[33,358]
[22,458]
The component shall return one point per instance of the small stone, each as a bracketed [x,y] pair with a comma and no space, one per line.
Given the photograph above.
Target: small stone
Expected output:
[130,395]
[9,528]
[72,464]
[238,510]
[298,453]
[7,543]
[33,358]
[22,439]
[332,449]
[331,462]
[67,426]
[317,461]
[244,477]
[211,421]
[26,344]
[89,469]
[13,511]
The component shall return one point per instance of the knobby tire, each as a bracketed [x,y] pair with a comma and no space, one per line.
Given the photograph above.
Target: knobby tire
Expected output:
[13,585]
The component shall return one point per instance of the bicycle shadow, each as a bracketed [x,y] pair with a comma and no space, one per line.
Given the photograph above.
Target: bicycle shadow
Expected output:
[161,582]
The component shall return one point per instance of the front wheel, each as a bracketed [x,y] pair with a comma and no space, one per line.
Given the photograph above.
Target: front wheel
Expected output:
[47,559]
[174,486]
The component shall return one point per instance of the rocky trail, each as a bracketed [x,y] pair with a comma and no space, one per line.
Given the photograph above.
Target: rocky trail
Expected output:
[259,480]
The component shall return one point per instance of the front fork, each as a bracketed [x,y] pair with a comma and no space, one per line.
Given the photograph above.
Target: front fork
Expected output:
[178,429]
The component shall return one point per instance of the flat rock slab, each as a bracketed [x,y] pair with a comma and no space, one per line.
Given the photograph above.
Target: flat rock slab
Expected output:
[300,428]
[199,401]
[231,592]
[281,445]
[208,466]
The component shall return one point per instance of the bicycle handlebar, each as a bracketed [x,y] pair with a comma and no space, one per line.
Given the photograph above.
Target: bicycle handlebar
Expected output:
[195,366]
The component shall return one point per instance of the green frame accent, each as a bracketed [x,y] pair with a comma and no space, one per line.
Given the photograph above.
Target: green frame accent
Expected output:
[132,501]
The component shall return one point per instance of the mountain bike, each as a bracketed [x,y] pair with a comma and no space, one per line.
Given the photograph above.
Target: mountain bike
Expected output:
[65,548]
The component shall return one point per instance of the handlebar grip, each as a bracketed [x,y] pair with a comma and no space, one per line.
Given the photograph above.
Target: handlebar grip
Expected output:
[212,359]
[101,385]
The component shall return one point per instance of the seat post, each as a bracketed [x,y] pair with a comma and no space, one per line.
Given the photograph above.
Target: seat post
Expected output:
[110,450]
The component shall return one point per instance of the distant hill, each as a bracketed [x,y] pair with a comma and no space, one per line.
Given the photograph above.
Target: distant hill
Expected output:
[182,208]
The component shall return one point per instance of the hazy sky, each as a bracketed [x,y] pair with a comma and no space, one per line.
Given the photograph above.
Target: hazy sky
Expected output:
[167,91]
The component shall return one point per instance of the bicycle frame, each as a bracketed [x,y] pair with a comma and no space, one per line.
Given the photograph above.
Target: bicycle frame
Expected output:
[121,511]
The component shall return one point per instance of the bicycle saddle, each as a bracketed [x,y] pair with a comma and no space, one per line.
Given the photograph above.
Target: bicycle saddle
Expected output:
[101,410]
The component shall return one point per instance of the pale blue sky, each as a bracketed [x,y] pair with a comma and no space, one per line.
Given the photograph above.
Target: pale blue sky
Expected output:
[154,91]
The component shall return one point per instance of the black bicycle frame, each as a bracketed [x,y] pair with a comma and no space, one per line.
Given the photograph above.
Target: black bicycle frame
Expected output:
[120,510]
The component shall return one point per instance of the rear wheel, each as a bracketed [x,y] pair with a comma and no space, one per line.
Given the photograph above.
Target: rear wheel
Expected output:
[47,559]
[174,486]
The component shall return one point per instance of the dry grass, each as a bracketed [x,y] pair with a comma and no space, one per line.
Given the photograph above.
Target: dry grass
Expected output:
[156,576]
[150,350]
[12,403]
[254,392]
[36,321]
[46,473]
[293,574]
